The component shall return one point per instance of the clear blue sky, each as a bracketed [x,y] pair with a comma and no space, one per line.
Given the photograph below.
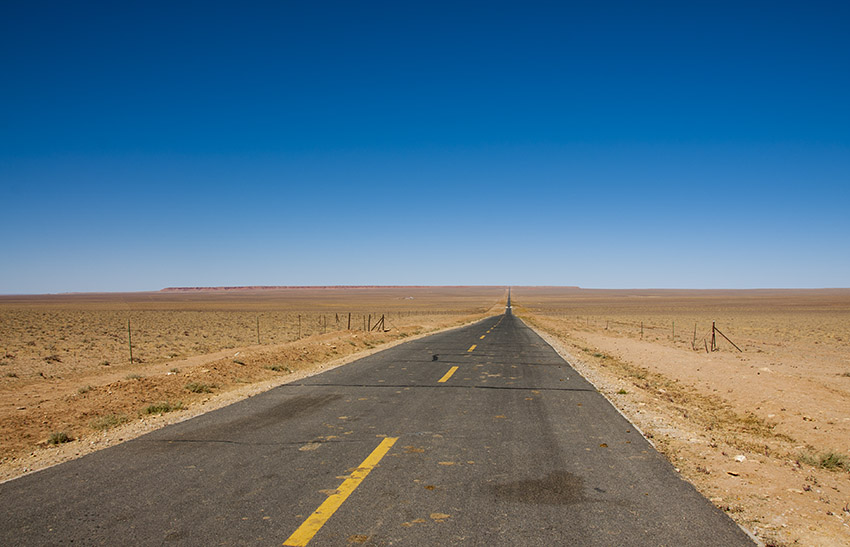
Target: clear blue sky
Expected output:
[601,144]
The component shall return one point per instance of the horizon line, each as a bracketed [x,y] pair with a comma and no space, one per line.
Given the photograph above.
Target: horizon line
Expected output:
[259,288]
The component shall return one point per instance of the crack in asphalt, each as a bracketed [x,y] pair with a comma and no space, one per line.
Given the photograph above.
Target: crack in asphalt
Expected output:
[441,386]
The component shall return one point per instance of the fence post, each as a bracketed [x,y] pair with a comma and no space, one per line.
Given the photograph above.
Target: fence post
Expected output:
[713,337]
[694,341]
[130,341]
[349,320]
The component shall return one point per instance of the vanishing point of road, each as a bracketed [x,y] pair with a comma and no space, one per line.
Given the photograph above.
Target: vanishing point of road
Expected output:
[482,435]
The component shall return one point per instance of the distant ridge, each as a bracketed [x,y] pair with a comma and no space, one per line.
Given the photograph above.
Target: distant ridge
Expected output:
[282,287]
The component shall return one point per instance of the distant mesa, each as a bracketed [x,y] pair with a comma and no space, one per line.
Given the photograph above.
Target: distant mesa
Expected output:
[290,287]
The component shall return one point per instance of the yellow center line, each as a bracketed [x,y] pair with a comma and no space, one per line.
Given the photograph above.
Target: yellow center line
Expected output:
[472,348]
[447,375]
[482,337]
[314,522]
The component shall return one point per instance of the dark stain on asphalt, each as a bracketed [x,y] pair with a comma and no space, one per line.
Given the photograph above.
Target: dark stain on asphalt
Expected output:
[293,408]
[556,488]
[296,407]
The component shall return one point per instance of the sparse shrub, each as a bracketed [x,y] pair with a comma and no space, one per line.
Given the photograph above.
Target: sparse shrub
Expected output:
[197,387]
[279,368]
[104,363]
[175,370]
[84,389]
[238,362]
[827,460]
[846,374]
[59,437]
[833,460]
[162,408]
[622,392]
[108,421]
[53,359]
[133,377]
[11,375]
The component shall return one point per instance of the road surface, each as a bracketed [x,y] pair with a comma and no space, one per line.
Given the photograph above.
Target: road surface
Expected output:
[482,435]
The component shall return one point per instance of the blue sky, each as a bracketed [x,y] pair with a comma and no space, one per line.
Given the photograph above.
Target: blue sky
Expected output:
[618,144]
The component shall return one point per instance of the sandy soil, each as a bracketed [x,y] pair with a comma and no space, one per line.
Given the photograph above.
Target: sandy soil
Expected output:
[55,379]
[763,433]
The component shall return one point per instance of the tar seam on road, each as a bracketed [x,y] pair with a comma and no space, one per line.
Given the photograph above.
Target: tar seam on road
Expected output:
[447,375]
[314,522]
[454,386]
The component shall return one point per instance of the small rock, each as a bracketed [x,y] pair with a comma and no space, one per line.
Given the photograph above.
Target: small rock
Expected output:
[740,458]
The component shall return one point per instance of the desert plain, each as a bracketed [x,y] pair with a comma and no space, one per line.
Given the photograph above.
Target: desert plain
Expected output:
[761,429]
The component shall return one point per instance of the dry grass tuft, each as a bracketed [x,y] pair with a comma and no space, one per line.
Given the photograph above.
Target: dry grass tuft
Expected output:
[162,408]
[59,438]
[109,421]
[197,387]
[826,460]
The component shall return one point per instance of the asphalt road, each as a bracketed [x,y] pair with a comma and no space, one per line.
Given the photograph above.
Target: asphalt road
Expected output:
[511,447]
